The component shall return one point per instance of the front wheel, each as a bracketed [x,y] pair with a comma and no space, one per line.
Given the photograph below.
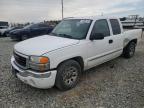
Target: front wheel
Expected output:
[68,75]
[129,50]
[24,37]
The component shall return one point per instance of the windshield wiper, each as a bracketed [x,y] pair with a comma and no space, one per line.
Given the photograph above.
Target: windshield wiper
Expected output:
[61,35]
[53,34]
[66,36]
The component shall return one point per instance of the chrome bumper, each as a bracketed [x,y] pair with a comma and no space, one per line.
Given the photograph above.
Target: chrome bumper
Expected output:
[38,80]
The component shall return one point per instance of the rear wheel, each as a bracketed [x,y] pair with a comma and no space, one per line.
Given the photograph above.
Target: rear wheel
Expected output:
[129,50]
[68,75]
[4,34]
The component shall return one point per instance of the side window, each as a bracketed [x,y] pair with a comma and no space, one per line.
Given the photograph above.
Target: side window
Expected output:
[101,26]
[43,25]
[115,26]
[34,26]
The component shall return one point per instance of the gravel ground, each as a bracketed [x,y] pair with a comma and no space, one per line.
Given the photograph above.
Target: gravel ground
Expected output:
[115,84]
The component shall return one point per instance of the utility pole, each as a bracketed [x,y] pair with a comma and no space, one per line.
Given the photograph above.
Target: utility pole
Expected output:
[62,8]
[102,14]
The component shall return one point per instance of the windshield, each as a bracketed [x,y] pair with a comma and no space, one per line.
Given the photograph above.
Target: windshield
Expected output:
[72,28]
[31,26]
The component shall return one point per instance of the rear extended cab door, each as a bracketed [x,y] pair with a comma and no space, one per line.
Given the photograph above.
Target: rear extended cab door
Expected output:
[117,37]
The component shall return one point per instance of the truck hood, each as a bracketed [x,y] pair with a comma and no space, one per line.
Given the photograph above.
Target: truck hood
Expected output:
[43,44]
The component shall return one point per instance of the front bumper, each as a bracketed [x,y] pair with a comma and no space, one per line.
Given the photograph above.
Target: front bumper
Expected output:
[38,80]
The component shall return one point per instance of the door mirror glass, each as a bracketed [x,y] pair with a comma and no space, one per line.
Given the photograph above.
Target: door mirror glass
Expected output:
[97,36]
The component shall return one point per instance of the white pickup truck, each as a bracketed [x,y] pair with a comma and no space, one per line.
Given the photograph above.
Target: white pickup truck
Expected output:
[75,45]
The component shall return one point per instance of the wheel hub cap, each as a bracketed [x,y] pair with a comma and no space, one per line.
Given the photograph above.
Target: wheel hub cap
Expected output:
[70,75]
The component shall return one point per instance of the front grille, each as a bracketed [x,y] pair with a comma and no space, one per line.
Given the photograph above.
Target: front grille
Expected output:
[20,60]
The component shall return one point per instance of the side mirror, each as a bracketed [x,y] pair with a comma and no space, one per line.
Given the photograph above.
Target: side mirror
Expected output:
[97,36]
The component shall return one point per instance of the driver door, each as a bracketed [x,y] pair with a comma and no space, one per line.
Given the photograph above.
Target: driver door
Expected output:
[99,50]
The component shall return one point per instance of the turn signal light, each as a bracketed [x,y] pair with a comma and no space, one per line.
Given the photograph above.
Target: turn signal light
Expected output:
[44,60]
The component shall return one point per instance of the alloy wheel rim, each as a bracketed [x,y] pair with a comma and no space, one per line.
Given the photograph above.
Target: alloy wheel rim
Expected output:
[70,75]
[132,49]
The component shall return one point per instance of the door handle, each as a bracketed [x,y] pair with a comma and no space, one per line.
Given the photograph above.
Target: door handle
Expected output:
[110,41]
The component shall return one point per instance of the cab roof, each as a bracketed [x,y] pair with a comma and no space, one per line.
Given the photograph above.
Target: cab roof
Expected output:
[92,17]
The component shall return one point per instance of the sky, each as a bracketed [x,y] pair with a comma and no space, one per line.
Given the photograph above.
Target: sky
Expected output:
[39,10]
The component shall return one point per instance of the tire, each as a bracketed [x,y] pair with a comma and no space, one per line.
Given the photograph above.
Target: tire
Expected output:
[24,37]
[68,75]
[4,35]
[129,50]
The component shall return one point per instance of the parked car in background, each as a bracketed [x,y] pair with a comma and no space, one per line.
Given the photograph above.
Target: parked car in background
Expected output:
[6,32]
[2,30]
[3,23]
[75,45]
[3,26]
[30,31]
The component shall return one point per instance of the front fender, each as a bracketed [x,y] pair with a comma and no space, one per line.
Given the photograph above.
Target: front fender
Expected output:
[60,55]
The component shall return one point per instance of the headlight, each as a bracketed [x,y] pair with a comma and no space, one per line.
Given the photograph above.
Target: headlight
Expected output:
[39,63]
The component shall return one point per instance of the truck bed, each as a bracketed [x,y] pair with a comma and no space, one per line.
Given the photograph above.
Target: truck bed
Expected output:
[132,34]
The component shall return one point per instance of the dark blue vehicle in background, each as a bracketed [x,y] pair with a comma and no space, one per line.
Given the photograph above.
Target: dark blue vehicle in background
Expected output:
[6,32]
[30,31]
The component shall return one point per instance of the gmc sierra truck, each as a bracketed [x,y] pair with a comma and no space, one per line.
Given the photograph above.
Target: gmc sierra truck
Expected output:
[75,45]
